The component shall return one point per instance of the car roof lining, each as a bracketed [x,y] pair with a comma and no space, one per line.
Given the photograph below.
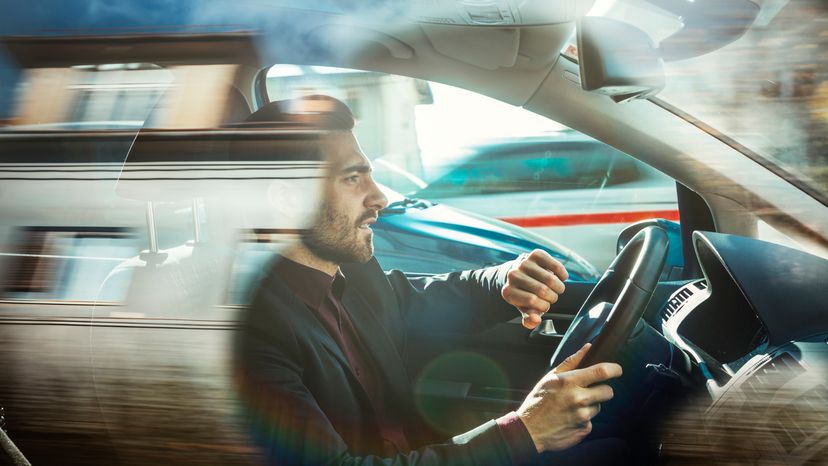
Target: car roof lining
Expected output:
[536,53]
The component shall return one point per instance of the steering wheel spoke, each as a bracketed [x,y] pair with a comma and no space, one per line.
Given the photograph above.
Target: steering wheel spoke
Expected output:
[610,313]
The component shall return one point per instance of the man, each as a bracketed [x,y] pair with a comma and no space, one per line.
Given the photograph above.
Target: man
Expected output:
[320,360]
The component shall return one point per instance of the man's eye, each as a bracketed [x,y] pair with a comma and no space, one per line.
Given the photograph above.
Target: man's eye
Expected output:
[352,179]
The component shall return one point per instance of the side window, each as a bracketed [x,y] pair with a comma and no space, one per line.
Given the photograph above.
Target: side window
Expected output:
[484,162]
[69,264]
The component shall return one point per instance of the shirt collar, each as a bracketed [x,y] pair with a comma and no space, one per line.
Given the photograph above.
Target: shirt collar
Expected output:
[310,285]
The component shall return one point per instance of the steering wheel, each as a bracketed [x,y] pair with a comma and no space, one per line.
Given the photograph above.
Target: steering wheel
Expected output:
[618,300]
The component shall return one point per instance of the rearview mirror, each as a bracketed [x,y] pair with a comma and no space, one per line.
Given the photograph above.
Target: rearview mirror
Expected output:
[618,59]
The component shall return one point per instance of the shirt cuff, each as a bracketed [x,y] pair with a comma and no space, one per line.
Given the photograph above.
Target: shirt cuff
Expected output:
[521,446]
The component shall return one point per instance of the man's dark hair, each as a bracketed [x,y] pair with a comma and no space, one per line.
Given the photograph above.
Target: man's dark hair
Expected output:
[318,111]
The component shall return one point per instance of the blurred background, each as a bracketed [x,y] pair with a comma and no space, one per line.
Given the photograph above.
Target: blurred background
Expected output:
[140,211]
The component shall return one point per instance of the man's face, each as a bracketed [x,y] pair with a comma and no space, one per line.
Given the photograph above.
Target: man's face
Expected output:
[351,202]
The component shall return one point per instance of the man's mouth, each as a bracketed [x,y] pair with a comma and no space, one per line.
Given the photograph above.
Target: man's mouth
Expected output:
[366,224]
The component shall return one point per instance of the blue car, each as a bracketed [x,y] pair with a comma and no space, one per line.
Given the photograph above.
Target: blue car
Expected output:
[420,236]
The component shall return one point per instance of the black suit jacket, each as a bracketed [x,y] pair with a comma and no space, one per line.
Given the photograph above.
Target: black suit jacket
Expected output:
[304,405]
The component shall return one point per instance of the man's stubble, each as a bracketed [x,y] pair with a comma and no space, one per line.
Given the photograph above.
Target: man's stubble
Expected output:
[336,238]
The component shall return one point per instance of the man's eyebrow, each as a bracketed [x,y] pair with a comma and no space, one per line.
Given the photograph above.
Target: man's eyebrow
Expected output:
[360,167]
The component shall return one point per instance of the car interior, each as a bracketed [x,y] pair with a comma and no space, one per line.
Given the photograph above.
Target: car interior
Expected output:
[719,319]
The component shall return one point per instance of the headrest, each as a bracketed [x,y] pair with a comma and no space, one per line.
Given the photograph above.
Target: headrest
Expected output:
[318,111]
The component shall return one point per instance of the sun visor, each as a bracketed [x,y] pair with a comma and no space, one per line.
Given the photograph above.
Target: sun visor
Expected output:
[497,12]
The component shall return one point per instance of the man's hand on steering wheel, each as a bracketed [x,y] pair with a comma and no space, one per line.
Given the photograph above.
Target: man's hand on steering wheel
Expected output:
[533,285]
[559,410]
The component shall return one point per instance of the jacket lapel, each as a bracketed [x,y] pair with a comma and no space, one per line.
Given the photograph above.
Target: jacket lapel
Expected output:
[306,322]
[377,340]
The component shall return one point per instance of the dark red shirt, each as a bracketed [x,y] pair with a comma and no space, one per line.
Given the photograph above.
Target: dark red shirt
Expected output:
[322,294]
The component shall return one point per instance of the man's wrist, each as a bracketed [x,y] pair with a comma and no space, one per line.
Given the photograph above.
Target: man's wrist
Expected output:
[521,444]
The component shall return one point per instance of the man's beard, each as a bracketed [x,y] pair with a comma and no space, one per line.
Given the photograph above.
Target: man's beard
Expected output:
[336,238]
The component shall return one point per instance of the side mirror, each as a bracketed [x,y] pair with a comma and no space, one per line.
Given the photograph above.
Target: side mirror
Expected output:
[618,59]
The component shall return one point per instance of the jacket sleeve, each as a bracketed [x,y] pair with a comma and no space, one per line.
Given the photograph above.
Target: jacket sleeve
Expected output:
[289,426]
[465,301]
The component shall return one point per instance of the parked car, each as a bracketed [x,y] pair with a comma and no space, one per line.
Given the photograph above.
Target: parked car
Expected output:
[565,186]
[724,363]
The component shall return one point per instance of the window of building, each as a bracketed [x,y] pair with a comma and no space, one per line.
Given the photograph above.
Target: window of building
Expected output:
[62,263]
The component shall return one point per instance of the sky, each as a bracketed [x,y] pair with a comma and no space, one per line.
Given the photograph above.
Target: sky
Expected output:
[459,117]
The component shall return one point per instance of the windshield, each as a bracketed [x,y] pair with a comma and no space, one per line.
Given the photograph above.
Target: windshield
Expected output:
[767,91]
[390,194]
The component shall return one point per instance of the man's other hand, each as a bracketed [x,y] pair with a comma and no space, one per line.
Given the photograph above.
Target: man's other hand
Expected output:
[533,285]
[558,412]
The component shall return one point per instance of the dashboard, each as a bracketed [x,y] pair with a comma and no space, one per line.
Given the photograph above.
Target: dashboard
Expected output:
[721,329]
[755,296]
[756,329]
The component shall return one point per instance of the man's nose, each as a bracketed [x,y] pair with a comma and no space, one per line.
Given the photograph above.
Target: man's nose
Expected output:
[376,199]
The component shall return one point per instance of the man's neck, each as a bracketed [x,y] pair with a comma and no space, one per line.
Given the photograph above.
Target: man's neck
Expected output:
[302,255]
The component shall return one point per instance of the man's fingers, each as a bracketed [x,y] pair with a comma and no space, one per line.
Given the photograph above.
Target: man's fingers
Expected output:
[596,373]
[521,281]
[544,276]
[531,319]
[524,300]
[572,362]
[597,394]
[586,413]
[546,261]
[534,285]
